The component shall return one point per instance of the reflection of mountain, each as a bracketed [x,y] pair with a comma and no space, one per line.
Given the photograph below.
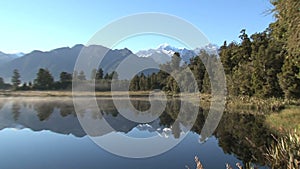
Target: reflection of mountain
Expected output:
[59,116]
[243,135]
[39,117]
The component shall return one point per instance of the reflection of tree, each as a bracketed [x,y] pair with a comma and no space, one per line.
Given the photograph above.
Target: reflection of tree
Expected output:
[176,129]
[97,115]
[66,109]
[1,105]
[244,135]
[141,105]
[107,107]
[166,119]
[44,110]
[15,110]
[198,125]
[171,113]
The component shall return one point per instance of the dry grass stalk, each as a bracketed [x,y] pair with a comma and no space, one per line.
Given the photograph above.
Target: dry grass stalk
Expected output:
[285,152]
[199,165]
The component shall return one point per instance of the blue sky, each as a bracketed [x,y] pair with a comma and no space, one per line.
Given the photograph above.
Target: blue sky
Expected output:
[27,25]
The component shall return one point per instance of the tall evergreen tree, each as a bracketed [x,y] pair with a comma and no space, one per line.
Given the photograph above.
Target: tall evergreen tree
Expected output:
[65,80]
[93,74]
[16,79]
[245,47]
[175,61]
[81,76]
[75,75]
[198,68]
[287,30]
[114,75]
[99,74]
[134,84]
[44,80]
[1,82]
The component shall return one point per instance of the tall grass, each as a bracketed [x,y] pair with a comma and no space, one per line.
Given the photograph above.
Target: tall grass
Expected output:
[200,166]
[259,105]
[285,152]
[284,121]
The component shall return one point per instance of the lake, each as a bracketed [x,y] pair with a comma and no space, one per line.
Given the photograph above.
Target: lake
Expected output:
[45,133]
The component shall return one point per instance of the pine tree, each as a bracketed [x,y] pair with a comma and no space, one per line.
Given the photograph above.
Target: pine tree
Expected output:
[65,80]
[1,82]
[114,75]
[75,75]
[198,68]
[99,74]
[287,31]
[134,84]
[93,74]
[16,79]
[175,61]
[44,80]
[81,76]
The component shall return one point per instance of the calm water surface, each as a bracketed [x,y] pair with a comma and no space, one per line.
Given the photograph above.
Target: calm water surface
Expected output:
[45,133]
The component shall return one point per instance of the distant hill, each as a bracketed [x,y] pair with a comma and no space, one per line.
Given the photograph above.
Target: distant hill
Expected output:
[64,59]
[58,60]
[4,57]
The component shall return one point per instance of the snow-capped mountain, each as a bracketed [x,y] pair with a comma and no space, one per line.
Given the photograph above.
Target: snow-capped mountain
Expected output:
[164,52]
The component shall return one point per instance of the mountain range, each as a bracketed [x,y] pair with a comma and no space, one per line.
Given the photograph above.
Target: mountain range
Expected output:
[64,59]
[4,58]
[164,52]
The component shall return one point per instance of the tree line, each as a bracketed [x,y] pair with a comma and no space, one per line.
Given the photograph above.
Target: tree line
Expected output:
[45,81]
[267,64]
[264,64]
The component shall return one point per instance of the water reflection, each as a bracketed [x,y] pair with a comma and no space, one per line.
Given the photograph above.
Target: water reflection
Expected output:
[242,135]
[40,114]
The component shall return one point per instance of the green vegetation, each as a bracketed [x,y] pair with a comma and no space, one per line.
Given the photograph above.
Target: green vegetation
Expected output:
[44,80]
[4,85]
[16,79]
[267,64]
[284,152]
[285,121]
[256,105]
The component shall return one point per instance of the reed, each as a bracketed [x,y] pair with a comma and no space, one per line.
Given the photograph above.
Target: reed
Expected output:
[228,166]
[285,152]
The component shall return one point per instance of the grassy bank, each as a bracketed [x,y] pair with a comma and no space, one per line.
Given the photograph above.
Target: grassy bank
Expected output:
[285,121]
[237,104]
[257,105]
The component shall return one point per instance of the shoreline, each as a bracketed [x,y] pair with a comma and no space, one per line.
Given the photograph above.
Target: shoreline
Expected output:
[69,94]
